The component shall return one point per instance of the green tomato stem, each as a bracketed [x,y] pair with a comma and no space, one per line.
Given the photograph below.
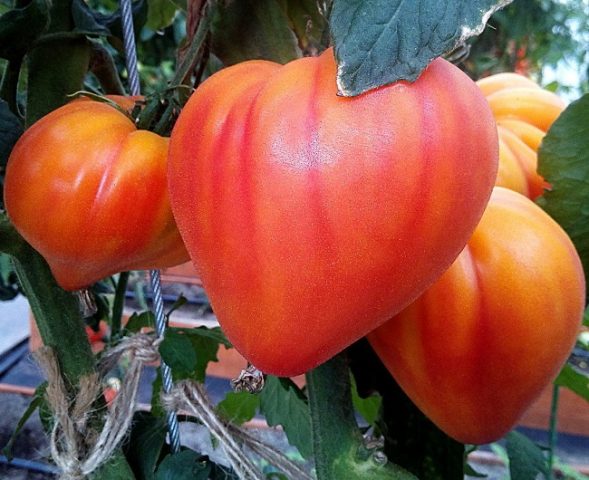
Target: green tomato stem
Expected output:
[338,445]
[118,304]
[56,311]
[553,433]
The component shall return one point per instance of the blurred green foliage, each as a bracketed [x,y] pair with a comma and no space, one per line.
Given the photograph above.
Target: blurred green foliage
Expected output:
[537,38]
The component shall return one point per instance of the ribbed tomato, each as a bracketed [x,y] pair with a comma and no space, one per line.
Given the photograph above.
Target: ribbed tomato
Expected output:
[88,190]
[312,218]
[481,344]
[524,113]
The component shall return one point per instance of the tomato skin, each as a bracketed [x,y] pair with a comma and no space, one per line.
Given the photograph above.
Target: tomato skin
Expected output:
[481,344]
[88,191]
[524,112]
[312,218]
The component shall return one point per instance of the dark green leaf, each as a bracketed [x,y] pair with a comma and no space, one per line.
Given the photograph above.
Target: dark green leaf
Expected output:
[282,403]
[186,465]
[253,29]
[563,160]
[116,468]
[238,407]
[178,352]
[36,402]
[526,459]
[367,407]
[215,334]
[586,318]
[378,42]
[138,321]
[20,27]
[144,446]
[160,13]
[86,21]
[574,380]
[10,131]
[188,351]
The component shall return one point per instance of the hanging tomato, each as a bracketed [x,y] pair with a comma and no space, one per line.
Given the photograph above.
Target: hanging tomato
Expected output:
[479,346]
[88,190]
[312,218]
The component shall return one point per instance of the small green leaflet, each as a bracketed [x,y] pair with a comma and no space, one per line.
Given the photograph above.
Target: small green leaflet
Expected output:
[282,403]
[563,160]
[36,402]
[238,407]
[116,468]
[145,443]
[574,380]
[526,459]
[160,13]
[188,351]
[378,42]
[368,407]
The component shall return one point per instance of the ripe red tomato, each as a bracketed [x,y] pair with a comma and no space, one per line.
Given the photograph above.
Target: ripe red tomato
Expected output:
[88,191]
[312,218]
[478,347]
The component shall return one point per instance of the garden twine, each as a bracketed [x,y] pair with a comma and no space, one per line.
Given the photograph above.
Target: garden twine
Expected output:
[78,449]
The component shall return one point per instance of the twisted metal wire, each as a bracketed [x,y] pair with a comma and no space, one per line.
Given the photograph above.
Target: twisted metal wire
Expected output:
[156,285]
[160,327]
[130,47]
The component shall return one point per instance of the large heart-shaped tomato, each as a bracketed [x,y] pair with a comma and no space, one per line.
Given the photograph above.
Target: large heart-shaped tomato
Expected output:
[481,344]
[312,218]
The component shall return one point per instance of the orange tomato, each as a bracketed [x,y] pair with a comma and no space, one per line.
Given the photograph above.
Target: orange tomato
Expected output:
[524,112]
[479,346]
[88,191]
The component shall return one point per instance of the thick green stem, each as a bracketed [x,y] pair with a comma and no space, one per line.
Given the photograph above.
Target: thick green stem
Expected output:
[194,52]
[411,439]
[553,430]
[56,68]
[56,311]
[332,415]
[339,448]
[118,304]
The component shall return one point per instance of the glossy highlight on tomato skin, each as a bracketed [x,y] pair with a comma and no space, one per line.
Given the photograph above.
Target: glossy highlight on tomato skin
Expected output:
[478,347]
[312,218]
[88,191]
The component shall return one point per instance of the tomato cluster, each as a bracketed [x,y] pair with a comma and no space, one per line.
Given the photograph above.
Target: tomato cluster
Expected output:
[314,220]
